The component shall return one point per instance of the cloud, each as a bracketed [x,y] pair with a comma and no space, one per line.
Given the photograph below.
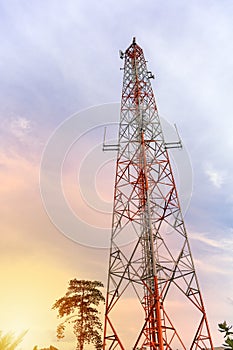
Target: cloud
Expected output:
[210,268]
[216,177]
[202,237]
[230,300]
[17,174]
[225,243]
[18,126]
[22,142]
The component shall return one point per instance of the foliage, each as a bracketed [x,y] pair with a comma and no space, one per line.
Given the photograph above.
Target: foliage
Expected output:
[224,328]
[78,306]
[9,341]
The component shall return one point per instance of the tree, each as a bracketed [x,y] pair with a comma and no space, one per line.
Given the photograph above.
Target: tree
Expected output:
[224,328]
[9,341]
[78,307]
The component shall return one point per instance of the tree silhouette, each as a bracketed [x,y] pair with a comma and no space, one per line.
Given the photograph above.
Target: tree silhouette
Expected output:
[78,307]
[224,328]
[9,341]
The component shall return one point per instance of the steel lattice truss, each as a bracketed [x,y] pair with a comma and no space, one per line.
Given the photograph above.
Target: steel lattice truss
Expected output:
[157,264]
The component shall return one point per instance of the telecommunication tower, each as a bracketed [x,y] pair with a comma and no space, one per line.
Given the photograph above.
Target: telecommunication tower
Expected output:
[157,266]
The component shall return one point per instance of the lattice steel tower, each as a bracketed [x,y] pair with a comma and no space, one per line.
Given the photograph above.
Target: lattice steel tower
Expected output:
[153,297]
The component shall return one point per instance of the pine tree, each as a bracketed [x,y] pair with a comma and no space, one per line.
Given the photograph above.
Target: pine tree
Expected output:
[78,307]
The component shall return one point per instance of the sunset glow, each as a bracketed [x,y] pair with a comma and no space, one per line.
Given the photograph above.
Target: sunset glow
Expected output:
[60,58]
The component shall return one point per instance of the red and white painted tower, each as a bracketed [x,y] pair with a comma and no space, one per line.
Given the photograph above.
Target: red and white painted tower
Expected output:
[156,268]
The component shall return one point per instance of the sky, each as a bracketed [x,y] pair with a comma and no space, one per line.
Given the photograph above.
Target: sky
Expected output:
[60,85]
